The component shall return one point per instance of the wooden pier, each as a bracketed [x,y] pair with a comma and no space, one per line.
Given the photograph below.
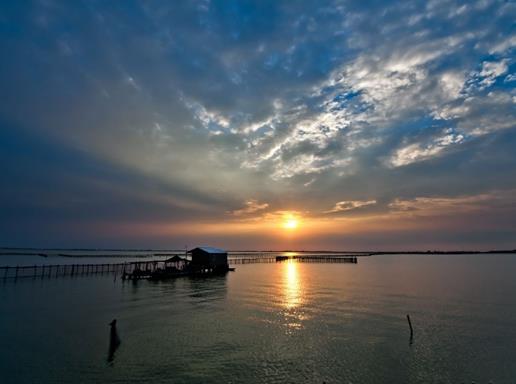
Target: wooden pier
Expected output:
[60,270]
[298,258]
[318,259]
[50,271]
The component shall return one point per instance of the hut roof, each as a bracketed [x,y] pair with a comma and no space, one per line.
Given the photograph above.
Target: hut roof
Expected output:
[210,250]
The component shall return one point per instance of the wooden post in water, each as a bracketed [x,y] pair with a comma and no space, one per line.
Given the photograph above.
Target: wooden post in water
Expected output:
[411,329]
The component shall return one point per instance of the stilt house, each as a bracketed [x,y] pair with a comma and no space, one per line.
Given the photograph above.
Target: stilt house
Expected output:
[209,258]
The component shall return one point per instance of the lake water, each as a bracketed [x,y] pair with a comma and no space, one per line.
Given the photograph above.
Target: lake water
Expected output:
[271,323]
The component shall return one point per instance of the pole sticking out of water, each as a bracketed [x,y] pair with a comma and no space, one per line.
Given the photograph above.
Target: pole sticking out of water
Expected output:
[411,329]
[114,341]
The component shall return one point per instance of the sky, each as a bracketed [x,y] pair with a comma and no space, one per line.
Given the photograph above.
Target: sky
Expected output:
[344,125]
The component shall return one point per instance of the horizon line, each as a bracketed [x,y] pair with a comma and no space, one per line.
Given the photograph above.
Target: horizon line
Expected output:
[366,252]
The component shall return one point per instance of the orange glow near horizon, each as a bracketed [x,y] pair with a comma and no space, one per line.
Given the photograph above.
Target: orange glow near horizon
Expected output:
[281,228]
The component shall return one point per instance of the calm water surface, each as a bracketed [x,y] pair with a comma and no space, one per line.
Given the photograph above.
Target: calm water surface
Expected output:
[271,323]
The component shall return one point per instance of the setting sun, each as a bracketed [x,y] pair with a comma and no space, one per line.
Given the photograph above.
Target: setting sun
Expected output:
[291,223]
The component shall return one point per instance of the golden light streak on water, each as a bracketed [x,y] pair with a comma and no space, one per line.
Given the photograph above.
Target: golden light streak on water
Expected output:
[293,296]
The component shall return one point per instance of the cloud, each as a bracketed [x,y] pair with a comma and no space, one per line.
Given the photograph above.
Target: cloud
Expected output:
[504,45]
[491,70]
[416,152]
[250,207]
[343,206]
[453,205]
[203,105]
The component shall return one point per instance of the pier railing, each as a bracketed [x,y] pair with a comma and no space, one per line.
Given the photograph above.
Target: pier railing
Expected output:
[297,258]
[61,270]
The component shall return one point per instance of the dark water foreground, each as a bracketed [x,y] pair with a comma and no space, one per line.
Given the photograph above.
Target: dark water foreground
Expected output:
[271,323]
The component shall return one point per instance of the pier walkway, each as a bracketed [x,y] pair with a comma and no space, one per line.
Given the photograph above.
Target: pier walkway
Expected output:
[49,271]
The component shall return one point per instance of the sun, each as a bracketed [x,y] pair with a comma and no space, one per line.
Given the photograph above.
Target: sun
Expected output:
[290,223]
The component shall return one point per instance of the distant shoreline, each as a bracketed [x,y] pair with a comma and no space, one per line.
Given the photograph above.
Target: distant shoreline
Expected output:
[45,252]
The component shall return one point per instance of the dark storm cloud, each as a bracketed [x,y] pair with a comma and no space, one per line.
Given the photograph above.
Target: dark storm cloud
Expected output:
[171,111]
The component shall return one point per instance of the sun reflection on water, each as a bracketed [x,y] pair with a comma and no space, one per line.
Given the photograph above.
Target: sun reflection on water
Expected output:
[292,284]
[293,298]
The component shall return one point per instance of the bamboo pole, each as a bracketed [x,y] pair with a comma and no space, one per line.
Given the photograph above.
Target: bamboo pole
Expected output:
[411,329]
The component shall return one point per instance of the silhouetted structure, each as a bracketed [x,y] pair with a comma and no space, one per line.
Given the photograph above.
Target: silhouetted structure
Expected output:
[209,259]
[176,261]
[200,260]
[318,259]
[203,261]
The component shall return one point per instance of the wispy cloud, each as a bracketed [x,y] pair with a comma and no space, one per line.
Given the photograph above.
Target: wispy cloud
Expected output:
[454,205]
[416,152]
[343,206]
[250,207]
